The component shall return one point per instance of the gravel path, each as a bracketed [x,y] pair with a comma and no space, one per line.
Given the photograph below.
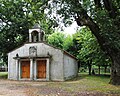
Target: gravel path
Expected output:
[29,88]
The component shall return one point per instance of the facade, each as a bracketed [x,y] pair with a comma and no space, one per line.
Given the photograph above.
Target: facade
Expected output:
[37,60]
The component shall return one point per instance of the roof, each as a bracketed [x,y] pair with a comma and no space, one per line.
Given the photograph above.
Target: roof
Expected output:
[65,52]
[36,26]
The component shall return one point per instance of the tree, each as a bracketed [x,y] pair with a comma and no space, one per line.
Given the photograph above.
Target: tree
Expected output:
[56,39]
[67,43]
[90,52]
[76,45]
[16,17]
[102,17]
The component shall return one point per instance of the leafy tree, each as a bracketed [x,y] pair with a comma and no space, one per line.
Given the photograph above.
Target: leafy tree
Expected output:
[67,43]
[88,49]
[102,17]
[56,39]
[90,52]
[75,46]
[16,17]
[60,40]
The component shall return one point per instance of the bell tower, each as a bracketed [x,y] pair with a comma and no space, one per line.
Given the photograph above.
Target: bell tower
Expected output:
[36,34]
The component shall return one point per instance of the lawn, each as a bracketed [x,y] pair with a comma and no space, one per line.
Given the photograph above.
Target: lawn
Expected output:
[83,84]
[3,75]
[86,83]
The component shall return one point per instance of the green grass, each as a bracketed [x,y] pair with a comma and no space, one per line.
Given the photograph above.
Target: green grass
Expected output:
[3,75]
[87,83]
[98,83]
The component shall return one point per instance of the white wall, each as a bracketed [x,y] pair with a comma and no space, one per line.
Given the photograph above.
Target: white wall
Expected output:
[56,62]
[11,67]
[70,67]
[12,74]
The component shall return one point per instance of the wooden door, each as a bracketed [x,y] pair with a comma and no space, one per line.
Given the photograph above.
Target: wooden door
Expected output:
[25,69]
[41,69]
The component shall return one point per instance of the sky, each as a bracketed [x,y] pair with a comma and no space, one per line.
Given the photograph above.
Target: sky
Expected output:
[71,29]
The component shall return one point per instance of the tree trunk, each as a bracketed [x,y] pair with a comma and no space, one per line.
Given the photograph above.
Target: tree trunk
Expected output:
[90,66]
[105,70]
[115,70]
[79,65]
[98,69]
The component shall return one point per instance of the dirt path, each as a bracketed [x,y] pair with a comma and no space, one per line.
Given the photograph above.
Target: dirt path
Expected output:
[29,88]
[12,88]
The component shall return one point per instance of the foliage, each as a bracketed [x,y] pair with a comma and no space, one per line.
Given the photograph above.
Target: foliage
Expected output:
[102,17]
[90,49]
[68,42]
[16,17]
[60,40]
[56,39]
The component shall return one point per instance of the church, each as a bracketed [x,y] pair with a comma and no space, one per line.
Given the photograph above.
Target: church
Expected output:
[39,61]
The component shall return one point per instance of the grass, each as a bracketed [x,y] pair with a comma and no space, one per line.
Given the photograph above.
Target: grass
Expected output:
[98,83]
[3,75]
[88,83]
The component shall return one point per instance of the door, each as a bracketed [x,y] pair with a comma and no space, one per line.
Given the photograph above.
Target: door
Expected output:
[25,69]
[41,69]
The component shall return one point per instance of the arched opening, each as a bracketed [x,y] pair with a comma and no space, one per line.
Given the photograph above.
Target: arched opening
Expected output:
[35,37]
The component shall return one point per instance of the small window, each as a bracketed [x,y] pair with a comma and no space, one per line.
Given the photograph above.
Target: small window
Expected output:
[34,36]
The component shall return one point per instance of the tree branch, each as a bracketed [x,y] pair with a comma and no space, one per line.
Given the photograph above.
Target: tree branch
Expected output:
[83,19]
[110,8]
